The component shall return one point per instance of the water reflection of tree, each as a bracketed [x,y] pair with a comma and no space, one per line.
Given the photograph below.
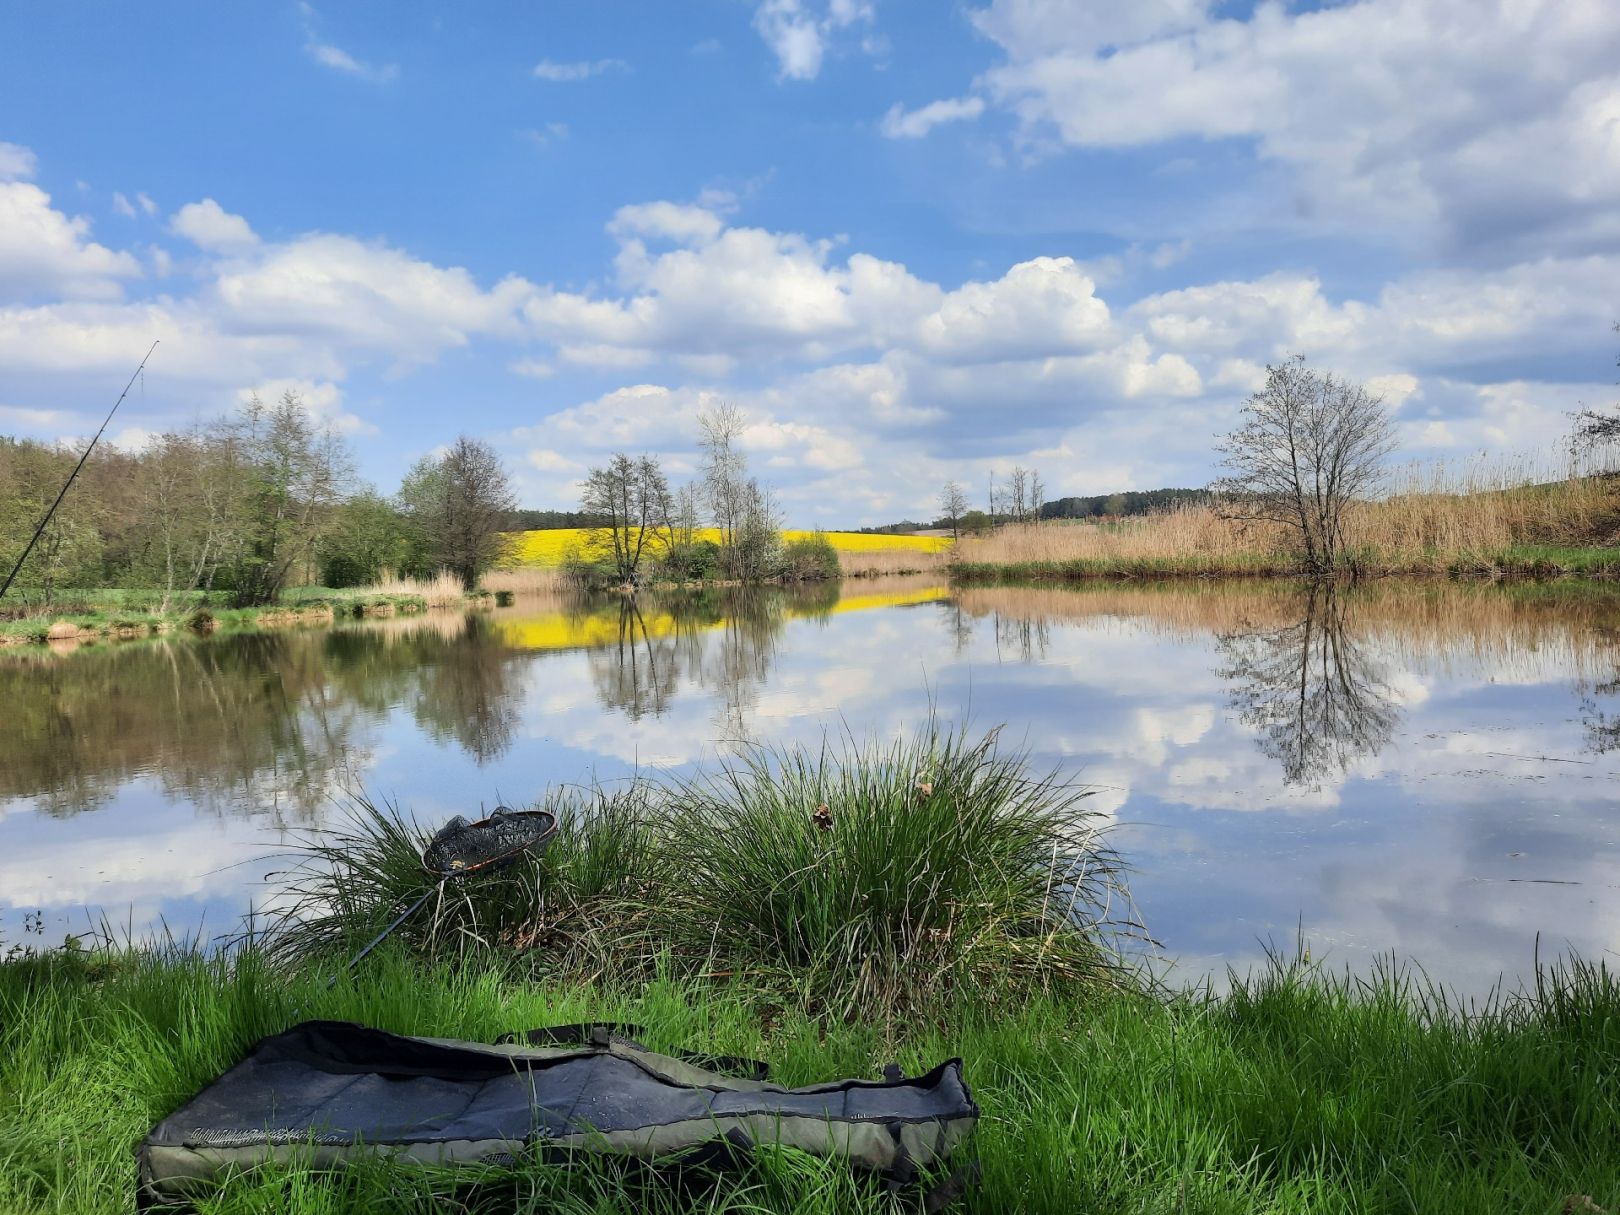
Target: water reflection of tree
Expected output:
[1598,712]
[258,723]
[637,673]
[1313,691]
[1023,637]
[723,641]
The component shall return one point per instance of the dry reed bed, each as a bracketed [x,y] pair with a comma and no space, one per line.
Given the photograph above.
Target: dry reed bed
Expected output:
[1436,519]
[883,563]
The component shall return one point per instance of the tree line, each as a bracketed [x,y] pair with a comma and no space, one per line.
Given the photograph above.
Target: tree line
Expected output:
[247,505]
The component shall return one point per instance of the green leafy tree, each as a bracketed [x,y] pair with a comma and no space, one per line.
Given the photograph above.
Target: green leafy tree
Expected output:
[457,507]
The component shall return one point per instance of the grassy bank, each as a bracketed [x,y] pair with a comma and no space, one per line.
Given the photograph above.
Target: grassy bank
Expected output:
[101,614]
[1295,1093]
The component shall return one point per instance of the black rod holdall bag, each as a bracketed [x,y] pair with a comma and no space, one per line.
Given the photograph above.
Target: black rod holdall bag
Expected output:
[328,1092]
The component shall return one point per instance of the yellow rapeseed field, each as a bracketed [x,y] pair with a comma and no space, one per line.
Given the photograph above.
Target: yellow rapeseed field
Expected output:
[547,548]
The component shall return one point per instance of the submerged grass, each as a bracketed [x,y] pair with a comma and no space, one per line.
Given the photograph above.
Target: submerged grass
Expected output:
[1296,1092]
[853,881]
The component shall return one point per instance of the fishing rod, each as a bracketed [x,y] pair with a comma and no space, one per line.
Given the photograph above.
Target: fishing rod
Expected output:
[40,530]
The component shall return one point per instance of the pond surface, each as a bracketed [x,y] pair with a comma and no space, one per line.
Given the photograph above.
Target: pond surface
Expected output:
[1422,770]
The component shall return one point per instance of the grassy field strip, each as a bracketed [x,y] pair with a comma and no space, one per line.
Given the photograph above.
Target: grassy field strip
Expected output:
[1295,1094]
[548,548]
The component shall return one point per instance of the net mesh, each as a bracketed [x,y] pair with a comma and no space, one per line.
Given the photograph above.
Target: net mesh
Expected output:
[461,847]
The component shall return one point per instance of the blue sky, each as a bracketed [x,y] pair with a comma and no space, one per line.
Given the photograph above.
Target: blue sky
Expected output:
[912,240]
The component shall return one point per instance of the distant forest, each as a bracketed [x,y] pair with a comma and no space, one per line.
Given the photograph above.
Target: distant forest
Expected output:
[1132,502]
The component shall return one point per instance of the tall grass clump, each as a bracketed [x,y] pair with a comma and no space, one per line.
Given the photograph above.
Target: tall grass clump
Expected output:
[443,590]
[571,909]
[870,879]
[852,880]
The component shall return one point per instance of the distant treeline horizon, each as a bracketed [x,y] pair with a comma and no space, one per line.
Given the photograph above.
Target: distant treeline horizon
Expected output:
[1130,502]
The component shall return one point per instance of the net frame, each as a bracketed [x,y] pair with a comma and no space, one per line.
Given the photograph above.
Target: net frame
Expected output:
[461,848]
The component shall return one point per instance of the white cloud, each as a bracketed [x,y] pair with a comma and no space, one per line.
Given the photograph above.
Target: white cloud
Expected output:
[548,69]
[673,221]
[798,31]
[363,296]
[1491,125]
[147,205]
[900,123]
[123,206]
[1043,307]
[17,163]
[210,227]
[339,60]
[45,253]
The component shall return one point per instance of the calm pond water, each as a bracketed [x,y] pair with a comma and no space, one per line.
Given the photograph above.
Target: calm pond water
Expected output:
[1423,770]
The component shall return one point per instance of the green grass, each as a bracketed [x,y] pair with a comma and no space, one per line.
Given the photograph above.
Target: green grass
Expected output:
[1295,1093]
[1190,566]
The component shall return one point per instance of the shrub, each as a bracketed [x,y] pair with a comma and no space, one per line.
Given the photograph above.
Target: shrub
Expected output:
[695,562]
[812,559]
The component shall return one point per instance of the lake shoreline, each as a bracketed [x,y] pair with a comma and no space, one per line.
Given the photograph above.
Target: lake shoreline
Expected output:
[1595,563]
[117,622]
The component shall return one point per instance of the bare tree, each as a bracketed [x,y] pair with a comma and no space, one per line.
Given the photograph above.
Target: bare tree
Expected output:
[1037,494]
[725,469]
[1308,445]
[633,500]
[686,514]
[953,503]
[459,505]
[1017,491]
[1595,429]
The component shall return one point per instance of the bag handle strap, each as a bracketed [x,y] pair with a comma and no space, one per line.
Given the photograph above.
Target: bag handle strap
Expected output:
[598,1033]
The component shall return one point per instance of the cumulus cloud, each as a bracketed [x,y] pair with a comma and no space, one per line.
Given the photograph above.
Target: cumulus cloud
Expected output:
[1486,125]
[562,73]
[210,227]
[900,123]
[866,383]
[45,253]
